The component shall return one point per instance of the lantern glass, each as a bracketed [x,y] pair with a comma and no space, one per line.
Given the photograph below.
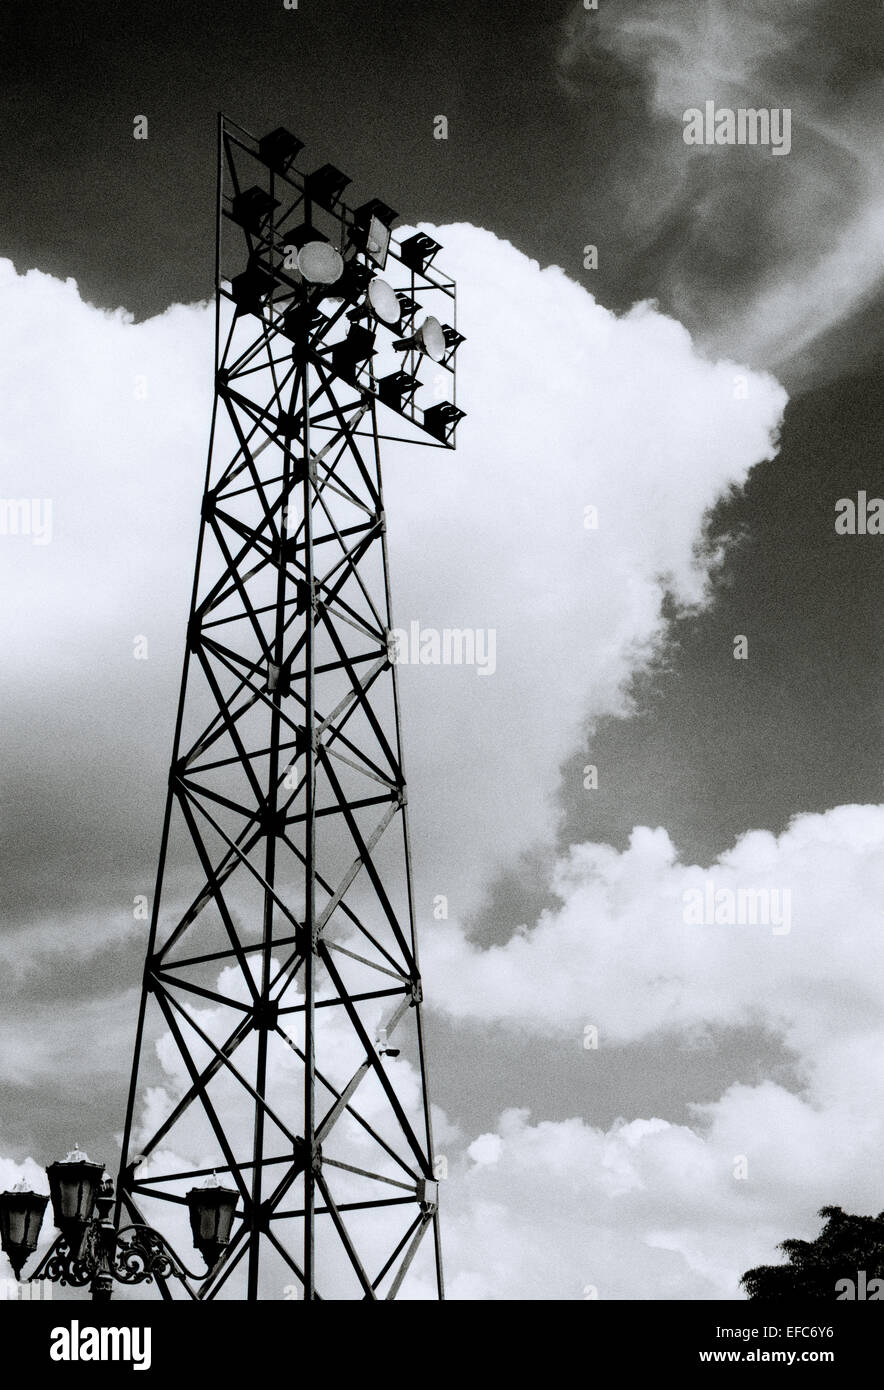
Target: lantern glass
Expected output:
[21,1216]
[212,1209]
[73,1186]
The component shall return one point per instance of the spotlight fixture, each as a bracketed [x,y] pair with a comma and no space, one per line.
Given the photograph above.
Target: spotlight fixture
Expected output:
[249,288]
[325,186]
[418,251]
[408,306]
[453,340]
[302,321]
[397,389]
[380,303]
[348,356]
[440,420]
[252,208]
[317,259]
[429,338]
[280,149]
[371,233]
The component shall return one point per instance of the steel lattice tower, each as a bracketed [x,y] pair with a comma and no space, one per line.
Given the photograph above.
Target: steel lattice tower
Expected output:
[281,983]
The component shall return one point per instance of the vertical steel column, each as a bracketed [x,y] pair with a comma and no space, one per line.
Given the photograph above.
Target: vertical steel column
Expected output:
[310,1156]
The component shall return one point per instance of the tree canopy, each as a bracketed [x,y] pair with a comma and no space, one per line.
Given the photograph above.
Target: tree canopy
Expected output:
[846,1246]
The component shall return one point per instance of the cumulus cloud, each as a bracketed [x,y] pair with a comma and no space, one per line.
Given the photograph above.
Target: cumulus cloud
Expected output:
[649,1209]
[569,407]
[618,951]
[652,1209]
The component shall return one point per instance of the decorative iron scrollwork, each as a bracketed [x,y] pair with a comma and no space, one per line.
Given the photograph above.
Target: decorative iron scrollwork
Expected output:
[61,1266]
[145,1256]
[137,1255]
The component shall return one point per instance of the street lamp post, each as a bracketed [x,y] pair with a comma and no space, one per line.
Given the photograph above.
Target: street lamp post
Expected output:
[90,1249]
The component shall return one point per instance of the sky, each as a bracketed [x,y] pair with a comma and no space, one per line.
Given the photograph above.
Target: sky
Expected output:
[712,388]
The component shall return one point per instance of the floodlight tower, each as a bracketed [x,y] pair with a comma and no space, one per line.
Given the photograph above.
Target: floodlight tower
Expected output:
[281,991]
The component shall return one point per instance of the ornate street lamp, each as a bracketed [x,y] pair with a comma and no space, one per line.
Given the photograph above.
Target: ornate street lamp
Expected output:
[21,1216]
[211,1218]
[73,1186]
[90,1250]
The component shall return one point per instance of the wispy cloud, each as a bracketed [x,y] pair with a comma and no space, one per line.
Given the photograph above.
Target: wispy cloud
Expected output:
[761,257]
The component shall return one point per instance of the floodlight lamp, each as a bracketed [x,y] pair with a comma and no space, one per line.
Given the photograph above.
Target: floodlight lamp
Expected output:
[440,420]
[249,289]
[279,149]
[453,339]
[408,307]
[349,356]
[302,322]
[325,186]
[377,242]
[429,339]
[320,263]
[359,343]
[418,251]
[380,303]
[371,232]
[316,258]
[252,208]
[397,389]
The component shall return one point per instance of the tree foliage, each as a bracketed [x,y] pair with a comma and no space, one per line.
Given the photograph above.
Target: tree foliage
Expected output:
[846,1245]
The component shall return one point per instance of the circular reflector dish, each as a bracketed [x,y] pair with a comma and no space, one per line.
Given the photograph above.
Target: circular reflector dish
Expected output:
[433,339]
[383,302]
[320,263]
